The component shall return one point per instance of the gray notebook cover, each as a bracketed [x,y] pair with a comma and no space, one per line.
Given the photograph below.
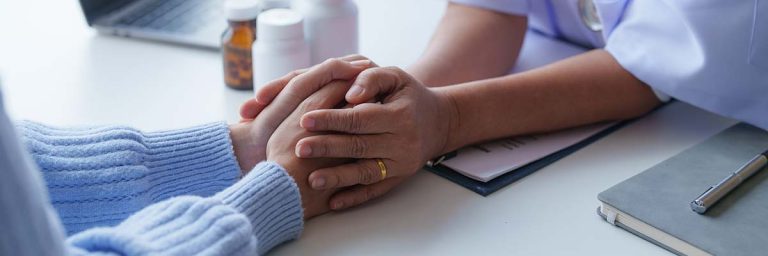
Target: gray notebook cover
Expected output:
[660,196]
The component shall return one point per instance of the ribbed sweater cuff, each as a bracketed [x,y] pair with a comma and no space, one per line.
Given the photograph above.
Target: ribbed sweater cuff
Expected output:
[193,161]
[271,200]
[184,225]
[98,176]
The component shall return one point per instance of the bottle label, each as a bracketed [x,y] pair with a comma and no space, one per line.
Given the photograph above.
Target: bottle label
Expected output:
[238,67]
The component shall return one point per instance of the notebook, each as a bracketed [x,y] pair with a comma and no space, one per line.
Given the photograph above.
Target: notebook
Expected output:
[654,204]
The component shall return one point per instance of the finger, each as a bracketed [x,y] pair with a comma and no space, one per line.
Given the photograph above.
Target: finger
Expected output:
[361,194]
[304,85]
[250,109]
[264,95]
[329,70]
[366,118]
[274,114]
[330,96]
[307,83]
[376,81]
[354,57]
[363,171]
[345,146]
[270,90]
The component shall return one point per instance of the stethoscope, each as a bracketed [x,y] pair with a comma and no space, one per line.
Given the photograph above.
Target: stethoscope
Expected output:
[591,19]
[589,16]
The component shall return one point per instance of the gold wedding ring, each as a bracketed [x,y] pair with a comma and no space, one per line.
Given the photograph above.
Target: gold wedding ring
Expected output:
[382,167]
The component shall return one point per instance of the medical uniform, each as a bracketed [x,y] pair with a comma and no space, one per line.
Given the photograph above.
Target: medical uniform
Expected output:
[710,53]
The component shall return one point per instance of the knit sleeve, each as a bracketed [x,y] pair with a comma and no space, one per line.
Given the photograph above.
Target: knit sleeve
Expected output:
[255,214]
[99,176]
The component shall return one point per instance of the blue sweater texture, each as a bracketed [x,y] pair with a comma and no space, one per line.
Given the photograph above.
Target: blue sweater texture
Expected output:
[120,191]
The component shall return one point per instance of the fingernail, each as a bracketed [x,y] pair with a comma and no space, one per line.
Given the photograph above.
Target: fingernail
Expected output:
[261,99]
[360,63]
[337,205]
[318,183]
[308,123]
[354,91]
[303,150]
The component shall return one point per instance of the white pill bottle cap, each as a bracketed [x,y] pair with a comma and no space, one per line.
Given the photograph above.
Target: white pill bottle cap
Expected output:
[280,24]
[241,10]
[274,4]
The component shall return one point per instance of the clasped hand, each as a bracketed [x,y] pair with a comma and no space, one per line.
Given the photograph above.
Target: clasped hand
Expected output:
[391,116]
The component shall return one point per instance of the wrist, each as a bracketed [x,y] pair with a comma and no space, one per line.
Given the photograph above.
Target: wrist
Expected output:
[449,118]
[241,145]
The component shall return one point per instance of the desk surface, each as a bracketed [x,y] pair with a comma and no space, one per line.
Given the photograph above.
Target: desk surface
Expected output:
[56,70]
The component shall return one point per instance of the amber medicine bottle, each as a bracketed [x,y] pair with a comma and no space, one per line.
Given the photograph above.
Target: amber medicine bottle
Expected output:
[236,43]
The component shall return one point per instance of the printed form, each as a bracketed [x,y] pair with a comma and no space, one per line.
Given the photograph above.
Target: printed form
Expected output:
[486,161]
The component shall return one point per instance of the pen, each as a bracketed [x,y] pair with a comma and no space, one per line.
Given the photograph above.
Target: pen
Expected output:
[712,195]
[440,159]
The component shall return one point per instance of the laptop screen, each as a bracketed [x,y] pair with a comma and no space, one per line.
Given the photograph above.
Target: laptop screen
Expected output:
[95,9]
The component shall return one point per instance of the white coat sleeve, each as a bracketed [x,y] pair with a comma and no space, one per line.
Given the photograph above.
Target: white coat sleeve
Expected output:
[514,7]
[712,54]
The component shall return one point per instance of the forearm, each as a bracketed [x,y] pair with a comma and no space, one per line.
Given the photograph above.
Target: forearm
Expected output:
[98,176]
[588,88]
[470,44]
[249,218]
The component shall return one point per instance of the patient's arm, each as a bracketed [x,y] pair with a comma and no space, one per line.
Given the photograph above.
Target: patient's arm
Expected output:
[100,175]
[470,44]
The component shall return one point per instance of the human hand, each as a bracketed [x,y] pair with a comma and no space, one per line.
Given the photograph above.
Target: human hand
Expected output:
[410,126]
[332,69]
[281,147]
[260,118]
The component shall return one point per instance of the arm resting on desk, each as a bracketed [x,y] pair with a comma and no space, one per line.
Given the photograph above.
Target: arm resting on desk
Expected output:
[587,88]
[253,215]
[257,213]
[469,44]
[99,176]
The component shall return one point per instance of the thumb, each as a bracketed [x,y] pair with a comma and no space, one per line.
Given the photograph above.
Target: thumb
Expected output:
[376,82]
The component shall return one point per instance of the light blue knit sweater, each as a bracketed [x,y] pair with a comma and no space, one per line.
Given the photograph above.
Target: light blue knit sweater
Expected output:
[124,192]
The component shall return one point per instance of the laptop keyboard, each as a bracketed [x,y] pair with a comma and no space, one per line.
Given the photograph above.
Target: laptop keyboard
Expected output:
[178,16]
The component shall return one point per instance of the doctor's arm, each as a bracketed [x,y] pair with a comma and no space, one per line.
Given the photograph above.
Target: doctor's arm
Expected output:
[415,123]
[470,44]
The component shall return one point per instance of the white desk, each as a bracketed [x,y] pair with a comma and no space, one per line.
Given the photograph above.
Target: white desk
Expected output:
[55,70]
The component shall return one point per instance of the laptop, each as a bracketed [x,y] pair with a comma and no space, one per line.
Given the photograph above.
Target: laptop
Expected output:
[189,22]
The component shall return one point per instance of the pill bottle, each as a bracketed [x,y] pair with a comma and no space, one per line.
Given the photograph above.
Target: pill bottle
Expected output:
[274,4]
[330,27]
[281,47]
[236,42]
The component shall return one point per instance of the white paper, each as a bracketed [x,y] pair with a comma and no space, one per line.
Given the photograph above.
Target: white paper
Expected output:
[484,162]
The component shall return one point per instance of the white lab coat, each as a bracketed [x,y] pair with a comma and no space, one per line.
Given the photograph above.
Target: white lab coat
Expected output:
[710,53]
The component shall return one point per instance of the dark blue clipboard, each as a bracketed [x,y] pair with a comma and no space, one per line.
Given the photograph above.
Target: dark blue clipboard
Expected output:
[487,188]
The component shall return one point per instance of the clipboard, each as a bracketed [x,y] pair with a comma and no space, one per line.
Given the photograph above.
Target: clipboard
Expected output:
[487,188]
